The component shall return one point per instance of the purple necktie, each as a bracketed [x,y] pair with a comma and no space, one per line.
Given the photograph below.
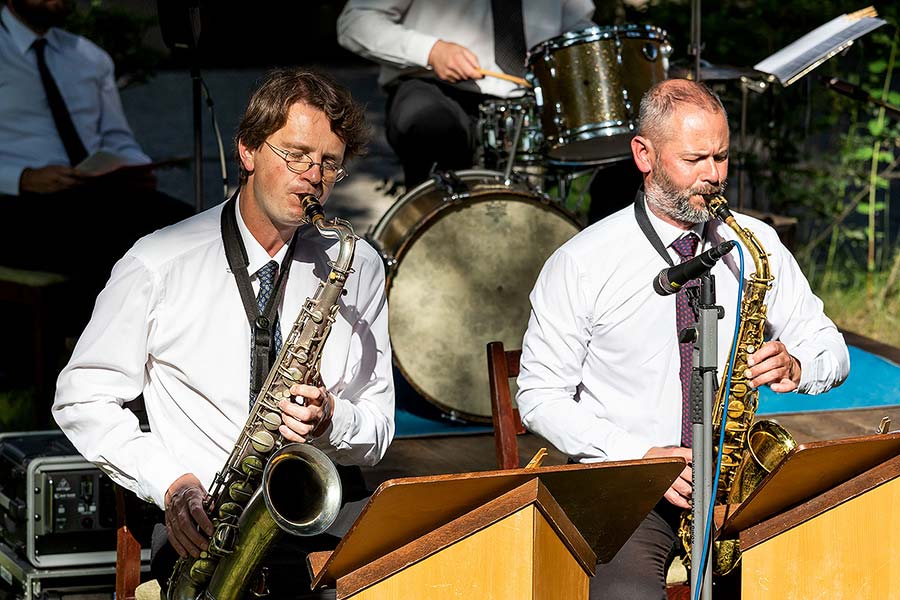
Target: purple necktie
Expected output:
[684,317]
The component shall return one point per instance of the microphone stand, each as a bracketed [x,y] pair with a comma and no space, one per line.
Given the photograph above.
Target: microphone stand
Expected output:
[703,387]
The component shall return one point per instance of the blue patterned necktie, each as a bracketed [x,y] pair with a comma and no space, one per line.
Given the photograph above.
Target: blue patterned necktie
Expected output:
[684,317]
[266,276]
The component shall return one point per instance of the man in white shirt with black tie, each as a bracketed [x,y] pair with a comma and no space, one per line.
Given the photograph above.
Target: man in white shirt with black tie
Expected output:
[59,104]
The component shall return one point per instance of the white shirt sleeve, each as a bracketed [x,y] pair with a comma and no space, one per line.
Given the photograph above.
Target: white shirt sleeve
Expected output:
[115,134]
[362,425]
[796,317]
[106,371]
[553,352]
[373,29]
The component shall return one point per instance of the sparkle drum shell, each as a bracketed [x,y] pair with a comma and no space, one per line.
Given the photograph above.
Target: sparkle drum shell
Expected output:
[588,86]
[461,261]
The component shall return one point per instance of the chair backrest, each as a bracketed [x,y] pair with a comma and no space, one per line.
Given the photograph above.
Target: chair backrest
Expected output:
[503,365]
[128,549]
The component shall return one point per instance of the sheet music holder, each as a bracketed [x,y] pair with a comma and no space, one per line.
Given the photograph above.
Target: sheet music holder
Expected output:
[802,56]
[808,470]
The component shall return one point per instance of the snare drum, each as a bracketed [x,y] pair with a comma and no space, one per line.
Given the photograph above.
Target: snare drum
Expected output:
[497,120]
[462,256]
[588,86]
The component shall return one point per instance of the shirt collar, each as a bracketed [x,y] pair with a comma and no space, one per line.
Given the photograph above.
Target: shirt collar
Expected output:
[256,254]
[668,233]
[22,37]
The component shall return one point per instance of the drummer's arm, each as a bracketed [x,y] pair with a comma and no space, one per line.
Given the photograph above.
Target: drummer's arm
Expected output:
[374,30]
[577,14]
[452,62]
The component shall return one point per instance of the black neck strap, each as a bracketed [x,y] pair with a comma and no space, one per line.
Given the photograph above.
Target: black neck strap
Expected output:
[261,324]
[643,221]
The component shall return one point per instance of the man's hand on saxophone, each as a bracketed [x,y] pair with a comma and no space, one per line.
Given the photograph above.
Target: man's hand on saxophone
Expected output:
[773,365]
[679,493]
[186,519]
[308,415]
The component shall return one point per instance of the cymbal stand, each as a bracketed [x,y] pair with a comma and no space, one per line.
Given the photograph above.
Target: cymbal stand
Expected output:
[758,86]
[511,159]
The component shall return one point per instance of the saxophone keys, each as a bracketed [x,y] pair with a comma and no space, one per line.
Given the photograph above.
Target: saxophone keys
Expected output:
[252,466]
[271,420]
[262,441]
[735,408]
[202,570]
[230,510]
[240,491]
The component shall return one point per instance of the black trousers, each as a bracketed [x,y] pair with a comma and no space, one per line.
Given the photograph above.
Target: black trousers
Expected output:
[431,123]
[81,233]
[638,570]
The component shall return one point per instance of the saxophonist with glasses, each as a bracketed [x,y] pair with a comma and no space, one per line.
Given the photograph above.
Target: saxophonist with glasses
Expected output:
[603,373]
[197,318]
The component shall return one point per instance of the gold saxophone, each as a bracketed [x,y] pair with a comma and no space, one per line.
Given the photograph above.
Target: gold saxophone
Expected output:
[268,486]
[751,450]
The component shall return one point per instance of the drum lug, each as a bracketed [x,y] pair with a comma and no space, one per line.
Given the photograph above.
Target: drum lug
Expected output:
[454,187]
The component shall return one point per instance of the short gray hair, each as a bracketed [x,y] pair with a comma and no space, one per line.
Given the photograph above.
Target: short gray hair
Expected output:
[665,97]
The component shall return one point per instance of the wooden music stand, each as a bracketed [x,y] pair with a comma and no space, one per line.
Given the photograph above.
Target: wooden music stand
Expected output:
[823,524]
[517,533]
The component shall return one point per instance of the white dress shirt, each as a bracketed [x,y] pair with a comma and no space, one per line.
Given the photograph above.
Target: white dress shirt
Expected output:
[84,75]
[170,324]
[399,34]
[600,361]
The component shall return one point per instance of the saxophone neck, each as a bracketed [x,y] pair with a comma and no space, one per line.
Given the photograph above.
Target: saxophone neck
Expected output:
[332,228]
[718,207]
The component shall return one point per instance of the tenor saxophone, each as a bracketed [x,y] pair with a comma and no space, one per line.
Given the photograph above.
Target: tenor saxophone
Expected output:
[750,449]
[269,486]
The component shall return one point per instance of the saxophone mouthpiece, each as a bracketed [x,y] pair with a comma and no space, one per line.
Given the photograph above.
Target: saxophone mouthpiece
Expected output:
[718,206]
[312,208]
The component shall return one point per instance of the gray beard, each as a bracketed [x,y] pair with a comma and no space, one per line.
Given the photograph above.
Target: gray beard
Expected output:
[675,203]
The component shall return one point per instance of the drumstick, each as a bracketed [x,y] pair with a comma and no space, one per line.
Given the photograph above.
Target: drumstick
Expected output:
[511,78]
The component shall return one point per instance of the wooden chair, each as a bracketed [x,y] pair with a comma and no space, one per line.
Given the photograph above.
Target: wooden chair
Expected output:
[134,527]
[502,366]
[128,549]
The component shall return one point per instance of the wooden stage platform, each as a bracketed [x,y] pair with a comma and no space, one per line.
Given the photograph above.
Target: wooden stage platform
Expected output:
[467,453]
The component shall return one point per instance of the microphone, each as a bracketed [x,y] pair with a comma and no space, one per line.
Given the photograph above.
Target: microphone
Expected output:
[671,279]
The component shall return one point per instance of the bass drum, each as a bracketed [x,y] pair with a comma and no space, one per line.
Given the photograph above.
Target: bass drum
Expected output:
[462,255]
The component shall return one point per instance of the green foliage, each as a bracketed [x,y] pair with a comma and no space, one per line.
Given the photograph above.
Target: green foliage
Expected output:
[811,153]
[122,33]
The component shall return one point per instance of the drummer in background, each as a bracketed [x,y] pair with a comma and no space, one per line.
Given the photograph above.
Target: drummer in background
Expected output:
[432,54]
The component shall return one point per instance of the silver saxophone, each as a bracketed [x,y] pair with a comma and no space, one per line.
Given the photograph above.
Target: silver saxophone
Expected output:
[268,485]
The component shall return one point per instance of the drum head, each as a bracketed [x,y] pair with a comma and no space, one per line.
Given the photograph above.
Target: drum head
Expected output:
[462,281]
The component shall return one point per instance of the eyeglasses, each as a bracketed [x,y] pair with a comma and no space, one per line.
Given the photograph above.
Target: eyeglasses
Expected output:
[299,162]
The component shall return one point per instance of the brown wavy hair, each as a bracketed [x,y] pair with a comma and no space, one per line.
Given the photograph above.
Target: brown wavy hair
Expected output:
[267,111]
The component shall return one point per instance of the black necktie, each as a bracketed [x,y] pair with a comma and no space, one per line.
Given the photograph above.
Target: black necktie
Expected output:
[509,36]
[684,317]
[61,117]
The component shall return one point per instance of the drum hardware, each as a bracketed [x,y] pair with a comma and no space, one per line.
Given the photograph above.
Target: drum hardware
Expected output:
[510,131]
[451,184]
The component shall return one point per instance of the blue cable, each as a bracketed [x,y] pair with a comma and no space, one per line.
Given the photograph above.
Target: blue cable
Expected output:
[712,503]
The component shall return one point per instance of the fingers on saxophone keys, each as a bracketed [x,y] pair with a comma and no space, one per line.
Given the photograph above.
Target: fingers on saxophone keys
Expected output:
[306,394]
